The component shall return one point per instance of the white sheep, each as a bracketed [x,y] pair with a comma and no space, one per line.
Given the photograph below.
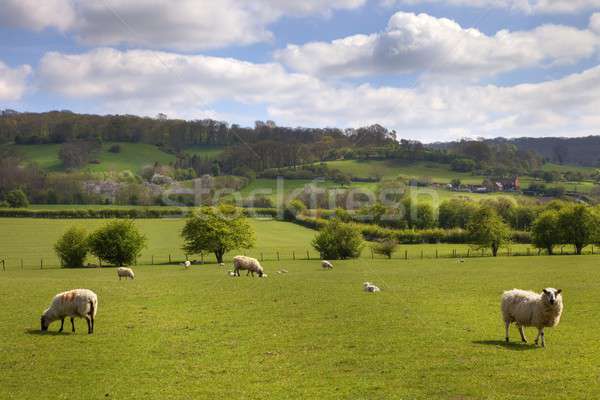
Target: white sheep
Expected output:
[525,308]
[80,303]
[326,265]
[187,264]
[221,264]
[123,272]
[249,264]
[369,287]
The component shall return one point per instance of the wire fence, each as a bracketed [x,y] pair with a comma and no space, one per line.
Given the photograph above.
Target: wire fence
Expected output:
[32,262]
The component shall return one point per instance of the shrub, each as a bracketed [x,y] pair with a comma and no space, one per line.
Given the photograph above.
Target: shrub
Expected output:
[118,242]
[579,226]
[115,148]
[72,247]
[338,241]
[488,230]
[385,247]
[17,199]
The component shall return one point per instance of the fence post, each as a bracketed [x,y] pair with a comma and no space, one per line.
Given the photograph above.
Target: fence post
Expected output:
[561,250]
[152,260]
[436,253]
[41,263]
[406,254]
[202,258]
[307,255]
[3,265]
[454,253]
[262,258]
[592,249]
[294,255]
[421,254]
[539,252]
[372,255]
[169,259]
[277,256]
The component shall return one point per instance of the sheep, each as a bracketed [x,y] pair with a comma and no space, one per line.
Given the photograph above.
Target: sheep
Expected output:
[81,303]
[249,264]
[221,264]
[326,265]
[186,264]
[526,308]
[369,287]
[123,272]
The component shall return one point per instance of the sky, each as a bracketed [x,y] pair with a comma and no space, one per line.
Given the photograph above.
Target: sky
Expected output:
[432,70]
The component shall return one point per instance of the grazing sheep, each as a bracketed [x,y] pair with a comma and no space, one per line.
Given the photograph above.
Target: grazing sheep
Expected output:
[231,273]
[221,264]
[369,287]
[249,264]
[123,272]
[80,303]
[326,265]
[526,308]
[187,264]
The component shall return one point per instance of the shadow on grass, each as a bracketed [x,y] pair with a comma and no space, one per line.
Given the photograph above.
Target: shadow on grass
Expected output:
[516,346]
[37,332]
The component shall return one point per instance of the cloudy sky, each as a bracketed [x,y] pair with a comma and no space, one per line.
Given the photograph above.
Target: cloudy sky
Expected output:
[431,69]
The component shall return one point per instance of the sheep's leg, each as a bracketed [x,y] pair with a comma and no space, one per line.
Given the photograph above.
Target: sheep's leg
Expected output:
[507,326]
[522,332]
[62,323]
[540,333]
[543,337]
[73,324]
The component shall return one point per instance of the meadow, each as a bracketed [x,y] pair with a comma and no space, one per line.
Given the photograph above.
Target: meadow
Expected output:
[434,332]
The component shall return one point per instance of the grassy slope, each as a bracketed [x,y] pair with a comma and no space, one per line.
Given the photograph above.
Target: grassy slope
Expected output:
[434,332]
[439,173]
[133,156]
[205,151]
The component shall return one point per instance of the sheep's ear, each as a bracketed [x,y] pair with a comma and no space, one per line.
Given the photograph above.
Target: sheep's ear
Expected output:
[558,291]
[545,291]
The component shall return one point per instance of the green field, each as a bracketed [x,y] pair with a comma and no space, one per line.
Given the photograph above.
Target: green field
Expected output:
[438,173]
[434,332]
[568,168]
[133,157]
[209,152]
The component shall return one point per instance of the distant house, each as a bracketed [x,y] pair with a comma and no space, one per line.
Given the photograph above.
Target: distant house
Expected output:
[510,185]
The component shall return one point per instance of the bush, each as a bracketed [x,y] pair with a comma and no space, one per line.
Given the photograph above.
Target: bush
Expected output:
[4,204]
[17,199]
[115,148]
[72,248]
[338,241]
[118,242]
[385,247]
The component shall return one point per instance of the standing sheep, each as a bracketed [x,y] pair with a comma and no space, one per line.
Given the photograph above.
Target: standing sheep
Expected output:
[123,272]
[249,264]
[326,265]
[80,303]
[526,308]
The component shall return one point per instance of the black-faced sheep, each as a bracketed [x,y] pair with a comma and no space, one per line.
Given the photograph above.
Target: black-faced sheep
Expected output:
[369,287]
[525,308]
[326,265]
[80,303]
[248,264]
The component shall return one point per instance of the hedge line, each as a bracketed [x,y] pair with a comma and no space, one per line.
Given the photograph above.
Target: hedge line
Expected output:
[139,213]
[409,236]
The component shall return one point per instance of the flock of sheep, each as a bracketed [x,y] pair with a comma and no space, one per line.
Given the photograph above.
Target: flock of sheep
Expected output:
[524,308]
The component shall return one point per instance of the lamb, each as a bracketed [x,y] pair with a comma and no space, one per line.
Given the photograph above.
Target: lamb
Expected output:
[526,308]
[326,265]
[81,303]
[123,272]
[369,287]
[249,264]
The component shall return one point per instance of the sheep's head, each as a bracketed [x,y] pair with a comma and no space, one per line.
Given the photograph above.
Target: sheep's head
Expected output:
[261,273]
[44,323]
[551,295]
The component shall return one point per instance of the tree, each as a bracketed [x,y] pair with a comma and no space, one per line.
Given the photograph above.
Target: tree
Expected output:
[338,241]
[455,183]
[16,198]
[546,232]
[118,242]
[579,226]
[488,230]
[385,247]
[72,247]
[218,231]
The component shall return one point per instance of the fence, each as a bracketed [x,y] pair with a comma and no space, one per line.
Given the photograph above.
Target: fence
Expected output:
[403,253]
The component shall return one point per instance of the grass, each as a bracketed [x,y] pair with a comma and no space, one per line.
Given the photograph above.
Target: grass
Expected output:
[434,332]
[439,173]
[568,168]
[133,157]
[205,151]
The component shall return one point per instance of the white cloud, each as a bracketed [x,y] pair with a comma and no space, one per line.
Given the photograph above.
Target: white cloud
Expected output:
[527,6]
[13,81]
[422,43]
[146,82]
[37,15]
[183,24]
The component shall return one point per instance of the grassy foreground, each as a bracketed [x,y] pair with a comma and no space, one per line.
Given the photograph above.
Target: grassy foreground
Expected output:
[434,332]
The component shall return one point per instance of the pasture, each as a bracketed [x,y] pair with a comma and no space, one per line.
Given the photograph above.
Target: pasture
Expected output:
[434,332]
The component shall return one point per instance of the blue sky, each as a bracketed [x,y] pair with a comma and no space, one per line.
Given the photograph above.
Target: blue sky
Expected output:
[431,70]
